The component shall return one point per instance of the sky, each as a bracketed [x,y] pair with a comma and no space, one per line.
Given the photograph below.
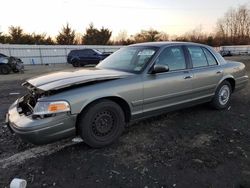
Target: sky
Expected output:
[174,17]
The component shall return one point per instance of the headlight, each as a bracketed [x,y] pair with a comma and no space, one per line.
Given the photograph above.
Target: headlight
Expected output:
[43,108]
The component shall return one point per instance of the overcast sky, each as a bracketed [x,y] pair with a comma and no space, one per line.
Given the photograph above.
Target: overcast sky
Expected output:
[171,16]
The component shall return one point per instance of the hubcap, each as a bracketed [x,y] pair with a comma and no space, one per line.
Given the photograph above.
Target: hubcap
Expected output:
[224,94]
[103,123]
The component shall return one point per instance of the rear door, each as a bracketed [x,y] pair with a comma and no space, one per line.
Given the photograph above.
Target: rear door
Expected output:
[206,71]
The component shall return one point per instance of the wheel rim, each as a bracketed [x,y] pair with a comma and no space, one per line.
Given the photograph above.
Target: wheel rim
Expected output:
[103,124]
[224,95]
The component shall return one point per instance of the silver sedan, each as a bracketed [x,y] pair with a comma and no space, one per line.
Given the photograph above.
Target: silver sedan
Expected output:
[136,82]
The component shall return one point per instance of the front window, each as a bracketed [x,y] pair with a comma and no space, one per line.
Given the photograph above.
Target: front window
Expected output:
[129,59]
[173,57]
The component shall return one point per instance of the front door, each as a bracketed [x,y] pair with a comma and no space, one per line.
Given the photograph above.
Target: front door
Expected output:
[170,88]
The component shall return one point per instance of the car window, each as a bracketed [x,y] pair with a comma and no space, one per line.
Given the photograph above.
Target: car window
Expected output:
[80,52]
[173,57]
[197,56]
[210,58]
[130,59]
[88,52]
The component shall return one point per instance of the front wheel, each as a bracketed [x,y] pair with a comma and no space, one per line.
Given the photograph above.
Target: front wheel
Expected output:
[4,69]
[222,96]
[101,123]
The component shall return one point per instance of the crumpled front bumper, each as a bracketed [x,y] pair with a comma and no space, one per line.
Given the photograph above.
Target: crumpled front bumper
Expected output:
[40,131]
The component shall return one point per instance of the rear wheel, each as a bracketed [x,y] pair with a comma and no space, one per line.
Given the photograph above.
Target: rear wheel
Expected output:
[222,96]
[5,69]
[101,123]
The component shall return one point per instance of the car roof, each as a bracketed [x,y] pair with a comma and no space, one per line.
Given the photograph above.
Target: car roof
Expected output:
[82,49]
[166,43]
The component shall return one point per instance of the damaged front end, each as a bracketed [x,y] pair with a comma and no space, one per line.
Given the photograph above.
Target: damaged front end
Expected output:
[40,122]
[27,103]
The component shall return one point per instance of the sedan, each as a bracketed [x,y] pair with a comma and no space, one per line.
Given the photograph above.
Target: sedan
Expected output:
[136,82]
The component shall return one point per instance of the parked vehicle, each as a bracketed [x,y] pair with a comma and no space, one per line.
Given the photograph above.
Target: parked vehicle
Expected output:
[136,82]
[8,64]
[225,53]
[86,56]
[2,55]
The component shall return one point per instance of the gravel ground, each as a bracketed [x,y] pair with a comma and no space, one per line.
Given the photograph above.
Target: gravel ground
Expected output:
[194,147]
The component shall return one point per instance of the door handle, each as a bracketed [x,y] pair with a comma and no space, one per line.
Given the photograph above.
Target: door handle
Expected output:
[219,72]
[188,77]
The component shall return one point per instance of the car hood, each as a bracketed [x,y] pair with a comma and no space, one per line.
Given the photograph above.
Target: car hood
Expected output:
[68,78]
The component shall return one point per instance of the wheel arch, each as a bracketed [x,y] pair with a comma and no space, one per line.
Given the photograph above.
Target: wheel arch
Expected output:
[74,59]
[118,100]
[230,79]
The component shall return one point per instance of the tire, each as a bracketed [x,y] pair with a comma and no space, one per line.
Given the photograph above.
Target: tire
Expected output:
[75,63]
[101,123]
[82,64]
[222,96]
[5,69]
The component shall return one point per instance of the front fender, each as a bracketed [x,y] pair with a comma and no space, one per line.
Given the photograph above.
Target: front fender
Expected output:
[91,100]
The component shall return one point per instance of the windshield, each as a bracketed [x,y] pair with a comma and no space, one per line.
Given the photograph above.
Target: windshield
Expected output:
[129,59]
[97,51]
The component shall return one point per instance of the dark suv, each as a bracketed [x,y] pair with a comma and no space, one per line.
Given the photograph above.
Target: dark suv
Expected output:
[86,56]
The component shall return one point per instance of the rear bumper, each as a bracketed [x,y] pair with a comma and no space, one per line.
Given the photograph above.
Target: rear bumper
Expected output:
[40,131]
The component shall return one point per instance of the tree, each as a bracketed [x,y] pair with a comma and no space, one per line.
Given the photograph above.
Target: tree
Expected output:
[4,38]
[96,37]
[150,35]
[104,36]
[234,27]
[66,36]
[16,34]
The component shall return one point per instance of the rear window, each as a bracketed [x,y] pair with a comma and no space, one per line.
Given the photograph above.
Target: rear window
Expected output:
[210,58]
[197,56]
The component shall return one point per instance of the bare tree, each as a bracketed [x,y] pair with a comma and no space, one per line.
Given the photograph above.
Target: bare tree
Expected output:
[234,27]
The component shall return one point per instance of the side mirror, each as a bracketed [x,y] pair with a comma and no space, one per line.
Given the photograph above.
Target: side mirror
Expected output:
[160,68]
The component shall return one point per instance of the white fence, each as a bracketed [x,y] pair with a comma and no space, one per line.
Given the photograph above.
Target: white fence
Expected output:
[47,54]
[237,50]
[50,54]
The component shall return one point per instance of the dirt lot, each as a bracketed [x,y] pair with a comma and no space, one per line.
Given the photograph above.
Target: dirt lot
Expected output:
[194,147]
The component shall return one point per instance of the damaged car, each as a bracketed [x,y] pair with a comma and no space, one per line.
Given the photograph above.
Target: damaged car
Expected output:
[8,64]
[135,82]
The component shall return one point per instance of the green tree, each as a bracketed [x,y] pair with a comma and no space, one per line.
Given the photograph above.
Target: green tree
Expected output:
[4,38]
[16,34]
[66,36]
[96,37]
[150,35]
